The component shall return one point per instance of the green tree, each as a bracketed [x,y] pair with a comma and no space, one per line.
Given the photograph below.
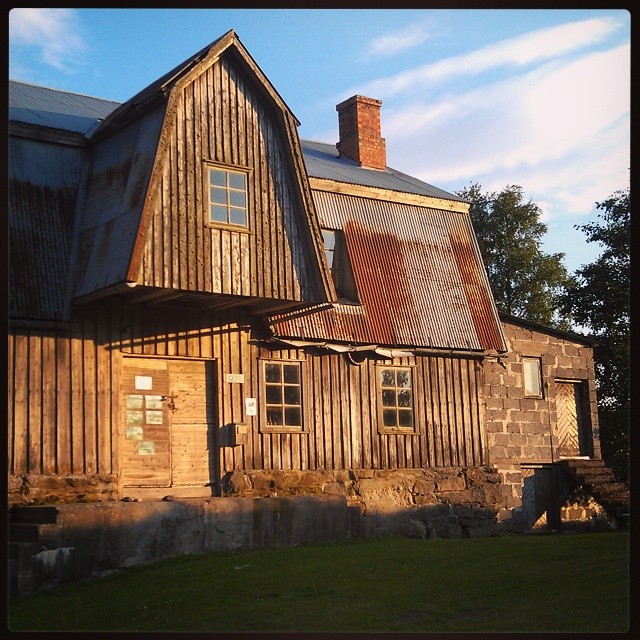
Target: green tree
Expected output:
[599,301]
[525,281]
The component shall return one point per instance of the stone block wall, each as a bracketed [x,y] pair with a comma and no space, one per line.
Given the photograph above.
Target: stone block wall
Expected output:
[520,430]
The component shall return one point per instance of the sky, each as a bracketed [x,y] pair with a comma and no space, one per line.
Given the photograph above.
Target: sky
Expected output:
[538,98]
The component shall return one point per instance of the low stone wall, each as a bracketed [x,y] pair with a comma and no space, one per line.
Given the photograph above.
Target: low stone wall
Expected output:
[448,502]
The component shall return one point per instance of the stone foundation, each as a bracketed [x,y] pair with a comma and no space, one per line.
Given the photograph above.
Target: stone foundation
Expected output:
[425,503]
[50,489]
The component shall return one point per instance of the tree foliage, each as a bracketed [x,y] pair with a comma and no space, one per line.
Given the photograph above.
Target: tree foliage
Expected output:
[526,282]
[599,301]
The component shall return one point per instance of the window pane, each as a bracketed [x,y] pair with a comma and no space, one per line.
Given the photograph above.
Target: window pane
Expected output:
[274,416]
[218,196]
[404,398]
[405,418]
[218,213]
[329,238]
[238,199]
[389,418]
[218,177]
[274,394]
[238,216]
[292,395]
[388,398]
[292,373]
[531,370]
[404,378]
[293,417]
[272,372]
[388,378]
[237,181]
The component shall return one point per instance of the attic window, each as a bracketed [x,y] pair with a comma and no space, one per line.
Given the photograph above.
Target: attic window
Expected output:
[335,250]
[227,196]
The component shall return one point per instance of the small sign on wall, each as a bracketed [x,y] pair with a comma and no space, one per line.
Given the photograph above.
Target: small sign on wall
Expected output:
[144,382]
[251,406]
[237,378]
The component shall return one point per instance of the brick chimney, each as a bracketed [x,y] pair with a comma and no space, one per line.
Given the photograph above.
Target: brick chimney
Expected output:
[359,130]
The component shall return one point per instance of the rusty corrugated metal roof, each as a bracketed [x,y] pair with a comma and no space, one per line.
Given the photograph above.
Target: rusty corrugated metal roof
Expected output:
[418,274]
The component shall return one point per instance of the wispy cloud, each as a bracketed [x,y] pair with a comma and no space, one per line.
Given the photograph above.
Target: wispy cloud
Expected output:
[392,43]
[529,120]
[55,33]
[530,48]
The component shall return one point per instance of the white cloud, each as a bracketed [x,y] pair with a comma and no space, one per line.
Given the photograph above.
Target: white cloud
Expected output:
[537,46]
[393,43]
[527,121]
[55,33]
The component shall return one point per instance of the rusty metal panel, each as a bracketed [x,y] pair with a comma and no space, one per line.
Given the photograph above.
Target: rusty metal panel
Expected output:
[418,274]
[43,187]
[116,190]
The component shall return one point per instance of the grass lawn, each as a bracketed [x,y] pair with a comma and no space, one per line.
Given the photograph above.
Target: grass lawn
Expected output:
[544,583]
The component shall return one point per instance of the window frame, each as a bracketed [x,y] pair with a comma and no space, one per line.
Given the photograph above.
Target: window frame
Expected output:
[538,363]
[264,405]
[397,429]
[227,169]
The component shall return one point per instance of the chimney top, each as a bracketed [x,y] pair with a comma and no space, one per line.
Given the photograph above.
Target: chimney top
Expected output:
[359,131]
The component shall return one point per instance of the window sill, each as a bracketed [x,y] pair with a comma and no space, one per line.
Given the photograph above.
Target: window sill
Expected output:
[398,431]
[283,430]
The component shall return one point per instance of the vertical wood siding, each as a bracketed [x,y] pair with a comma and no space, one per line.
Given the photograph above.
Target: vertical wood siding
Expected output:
[64,397]
[222,118]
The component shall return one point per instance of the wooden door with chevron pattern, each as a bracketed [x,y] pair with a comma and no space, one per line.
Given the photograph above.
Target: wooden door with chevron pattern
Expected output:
[571,425]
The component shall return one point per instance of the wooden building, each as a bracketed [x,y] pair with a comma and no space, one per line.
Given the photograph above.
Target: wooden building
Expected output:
[197,297]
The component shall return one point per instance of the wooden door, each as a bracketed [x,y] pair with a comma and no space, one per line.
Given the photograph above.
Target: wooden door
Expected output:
[570,425]
[191,387]
[169,423]
[146,443]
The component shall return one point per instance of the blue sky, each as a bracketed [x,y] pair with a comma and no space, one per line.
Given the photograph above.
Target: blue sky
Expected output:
[538,98]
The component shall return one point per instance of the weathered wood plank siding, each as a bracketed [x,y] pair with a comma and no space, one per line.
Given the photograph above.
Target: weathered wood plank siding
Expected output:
[222,118]
[61,400]
[65,397]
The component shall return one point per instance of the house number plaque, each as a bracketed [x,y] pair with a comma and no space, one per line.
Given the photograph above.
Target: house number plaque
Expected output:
[238,378]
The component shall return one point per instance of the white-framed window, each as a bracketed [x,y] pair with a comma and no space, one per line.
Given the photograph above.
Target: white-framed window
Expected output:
[283,400]
[395,392]
[228,198]
[532,377]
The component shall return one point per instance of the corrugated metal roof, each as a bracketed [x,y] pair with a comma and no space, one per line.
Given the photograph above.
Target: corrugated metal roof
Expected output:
[43,191]
[418,275]
[323,161]
[32,104]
